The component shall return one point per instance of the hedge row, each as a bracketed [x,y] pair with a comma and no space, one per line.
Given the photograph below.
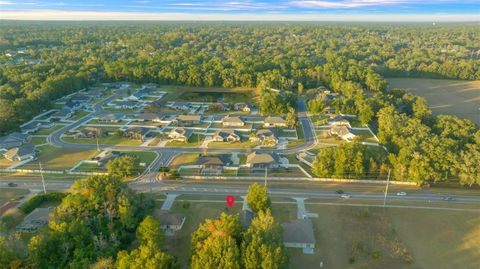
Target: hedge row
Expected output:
[37,200]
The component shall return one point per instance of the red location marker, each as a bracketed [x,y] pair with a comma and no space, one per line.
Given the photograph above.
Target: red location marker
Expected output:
[230,200]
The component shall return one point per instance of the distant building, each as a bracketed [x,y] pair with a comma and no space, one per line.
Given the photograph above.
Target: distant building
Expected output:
[12,140]
[35,125]
[62,114]
[338,121]
[88,132]
[188,120]
[241,107]
[274,122]
[299,234]
[20,153]
[265,136]
[136,133]
[149,117]
[343,132]
[115,118]
[125,104]
[106,156]
[180,134]
[213,165]
[258,162]
[226,136]
[232,121]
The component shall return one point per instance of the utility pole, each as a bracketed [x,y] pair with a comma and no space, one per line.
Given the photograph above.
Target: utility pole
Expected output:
[386,189]
[151,180]
[265,177]
[98,146]
[43,179]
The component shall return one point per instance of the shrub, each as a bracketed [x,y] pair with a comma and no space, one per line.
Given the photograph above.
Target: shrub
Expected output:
[39,199]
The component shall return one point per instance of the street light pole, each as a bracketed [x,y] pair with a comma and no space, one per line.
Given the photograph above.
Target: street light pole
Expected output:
[43,179]
[386,189]
[265,177]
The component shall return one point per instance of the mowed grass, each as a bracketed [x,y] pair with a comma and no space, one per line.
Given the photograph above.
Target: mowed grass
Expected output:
[456,97]
[363,237]
[8,194]
[174,93]
[59,158]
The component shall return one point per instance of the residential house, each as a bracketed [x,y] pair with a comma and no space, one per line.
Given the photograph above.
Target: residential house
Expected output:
[89,132]
[62,114]
[232,121]
[264,136]
[72,105]
[299,234]
[180,134]
[12,140]
[213,165]
[258,162]
[343,132]
[95,92]
[35,125]
[146,117]
[226,136]
[274,122]
[124,104]
[241,107]
[81,98]
[179,105]
[112,118]
[136,133]
[170,222]
[20,153]
[187,120]
[338,121]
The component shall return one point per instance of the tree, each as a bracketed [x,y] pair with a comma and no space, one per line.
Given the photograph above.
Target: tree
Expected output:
[292,118]
[467,165]
[262,246]
[149,254]
[8,258]
[257,198]
[123,166]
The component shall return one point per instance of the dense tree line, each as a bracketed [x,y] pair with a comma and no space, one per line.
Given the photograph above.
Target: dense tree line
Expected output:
[285,57]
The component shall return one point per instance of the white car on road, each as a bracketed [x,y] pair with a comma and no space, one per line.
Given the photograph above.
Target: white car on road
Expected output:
[345,196]
[402,193]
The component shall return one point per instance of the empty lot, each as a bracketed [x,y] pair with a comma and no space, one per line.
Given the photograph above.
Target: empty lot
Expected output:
[457,97]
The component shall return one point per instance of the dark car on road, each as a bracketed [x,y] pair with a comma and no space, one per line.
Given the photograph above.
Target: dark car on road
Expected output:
[11,184]
[340,192]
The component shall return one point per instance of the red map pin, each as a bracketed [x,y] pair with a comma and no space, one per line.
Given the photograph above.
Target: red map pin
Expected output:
[230,200]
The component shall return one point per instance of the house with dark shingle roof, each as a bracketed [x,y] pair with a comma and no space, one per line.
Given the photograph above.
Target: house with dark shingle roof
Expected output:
[265,136]
[138,133]
[299,234]
[115,118]
[12,140]
[20,153]
[338,121]
[213,165]
[35,125]
[187,120]
[62,114]
[261,161]
[226,136]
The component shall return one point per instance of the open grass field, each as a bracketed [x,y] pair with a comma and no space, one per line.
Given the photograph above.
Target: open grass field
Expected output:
[48,131]
[176,93]
[184,159]
[105,140]
[457,97]
[59,158]
[362,237]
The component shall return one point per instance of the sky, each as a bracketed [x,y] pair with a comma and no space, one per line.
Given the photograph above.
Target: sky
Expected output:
[266,10]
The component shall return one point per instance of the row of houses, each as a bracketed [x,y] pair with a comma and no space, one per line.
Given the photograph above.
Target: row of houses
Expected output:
[256,162]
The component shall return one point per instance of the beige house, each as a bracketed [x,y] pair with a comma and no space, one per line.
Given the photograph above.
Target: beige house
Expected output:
[258,162]
[343,132]
[180,134]
[274,122]
[188,120]
[338,121]
[226,136]
[264,136]
[232,121]
[20,153]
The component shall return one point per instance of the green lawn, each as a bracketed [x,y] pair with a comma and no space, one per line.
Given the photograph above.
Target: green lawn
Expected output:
[4,163]
[38,140]
[95,121]
[143,156]
[184,159]
[194,141]
[106,140]
[79,114]
[89,167]
[11,194]
[365,135]
[59,158]
[48,131]
[234,145]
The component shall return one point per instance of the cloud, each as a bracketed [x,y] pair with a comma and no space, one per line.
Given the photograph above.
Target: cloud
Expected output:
[6,3]
[159,16]
[345,3]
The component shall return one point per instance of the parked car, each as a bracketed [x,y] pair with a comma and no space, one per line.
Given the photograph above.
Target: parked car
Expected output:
[402,193]
[345,196]
[11,184]
[340,192]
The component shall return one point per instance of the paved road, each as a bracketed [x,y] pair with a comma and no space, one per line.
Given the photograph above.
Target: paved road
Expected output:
[198,189]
